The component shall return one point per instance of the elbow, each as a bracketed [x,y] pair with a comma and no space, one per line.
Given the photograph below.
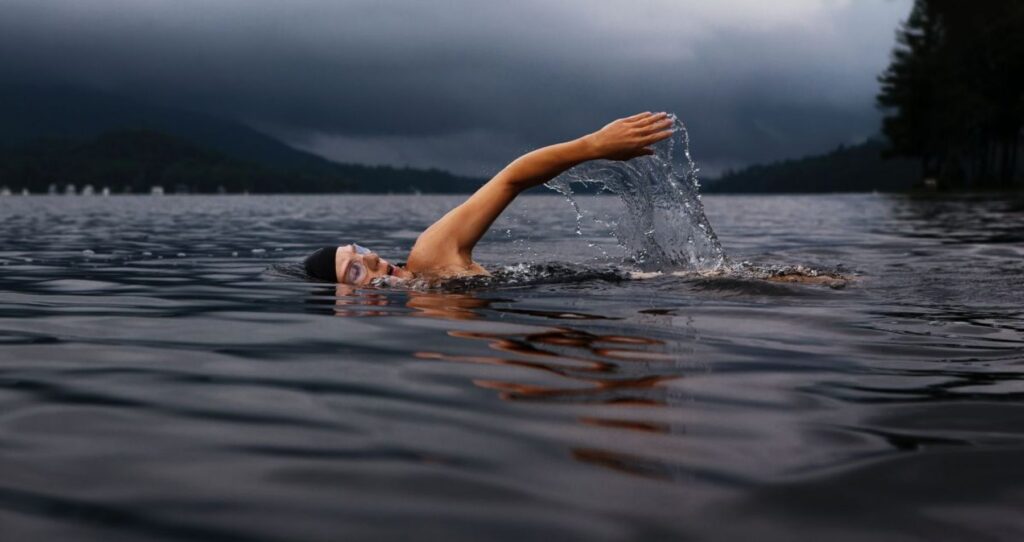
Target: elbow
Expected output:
[513,180]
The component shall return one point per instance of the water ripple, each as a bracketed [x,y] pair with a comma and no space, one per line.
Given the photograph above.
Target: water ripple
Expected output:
[165,375]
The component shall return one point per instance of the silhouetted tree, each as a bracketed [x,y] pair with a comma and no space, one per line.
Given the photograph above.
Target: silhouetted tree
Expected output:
[910,87]
[955,90]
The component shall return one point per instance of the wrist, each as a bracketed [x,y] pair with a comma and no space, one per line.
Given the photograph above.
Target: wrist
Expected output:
[588,147]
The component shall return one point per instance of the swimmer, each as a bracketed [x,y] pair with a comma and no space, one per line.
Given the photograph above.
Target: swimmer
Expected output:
[445,249]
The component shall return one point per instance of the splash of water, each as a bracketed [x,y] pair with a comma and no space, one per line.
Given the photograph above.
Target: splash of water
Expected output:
[662,223]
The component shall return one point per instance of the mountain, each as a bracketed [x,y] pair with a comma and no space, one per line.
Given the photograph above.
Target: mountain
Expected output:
[857,168]
[40,117]
[136,160]
[48,112]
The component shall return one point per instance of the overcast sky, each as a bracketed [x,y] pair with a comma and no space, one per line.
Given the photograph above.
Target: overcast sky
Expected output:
[467,85]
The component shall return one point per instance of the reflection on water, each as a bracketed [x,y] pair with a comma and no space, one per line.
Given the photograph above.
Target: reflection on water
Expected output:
[161,380]
[588,370]
[583,360]
[588,367]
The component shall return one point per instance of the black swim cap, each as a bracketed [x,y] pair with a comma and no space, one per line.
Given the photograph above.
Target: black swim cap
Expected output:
[320,264]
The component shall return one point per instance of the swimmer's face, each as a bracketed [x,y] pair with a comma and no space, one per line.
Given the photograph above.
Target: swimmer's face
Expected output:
[358,266]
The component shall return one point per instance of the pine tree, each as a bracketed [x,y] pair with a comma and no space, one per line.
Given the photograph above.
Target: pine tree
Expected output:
[954,90]
[910,89]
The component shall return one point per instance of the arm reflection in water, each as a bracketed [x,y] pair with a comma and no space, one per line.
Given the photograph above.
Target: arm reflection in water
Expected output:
[588,369]
[592,370]
[589,378]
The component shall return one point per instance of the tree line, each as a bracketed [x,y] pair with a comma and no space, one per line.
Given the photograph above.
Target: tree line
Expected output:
[855,168]
[954,92]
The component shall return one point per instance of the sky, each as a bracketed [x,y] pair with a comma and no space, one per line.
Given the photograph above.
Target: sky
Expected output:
[468,85]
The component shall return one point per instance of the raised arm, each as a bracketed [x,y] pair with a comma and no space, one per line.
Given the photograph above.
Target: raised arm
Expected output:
[446,247]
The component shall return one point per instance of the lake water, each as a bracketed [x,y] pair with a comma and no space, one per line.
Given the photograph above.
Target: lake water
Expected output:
[164,377]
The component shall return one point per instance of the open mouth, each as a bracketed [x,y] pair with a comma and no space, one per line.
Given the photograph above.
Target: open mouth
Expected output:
[391,270]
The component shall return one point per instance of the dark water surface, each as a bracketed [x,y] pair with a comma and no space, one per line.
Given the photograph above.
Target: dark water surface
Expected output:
[161,380]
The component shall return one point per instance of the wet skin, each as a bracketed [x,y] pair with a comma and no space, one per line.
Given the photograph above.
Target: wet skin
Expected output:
[445,249]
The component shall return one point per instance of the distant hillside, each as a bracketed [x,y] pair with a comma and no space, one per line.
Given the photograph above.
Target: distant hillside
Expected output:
[34,119]
[859,168]
[135,160]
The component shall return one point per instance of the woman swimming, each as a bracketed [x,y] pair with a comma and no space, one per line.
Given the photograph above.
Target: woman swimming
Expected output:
[445,249]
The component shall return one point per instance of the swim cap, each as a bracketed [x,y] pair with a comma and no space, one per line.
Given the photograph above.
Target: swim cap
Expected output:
[320,264]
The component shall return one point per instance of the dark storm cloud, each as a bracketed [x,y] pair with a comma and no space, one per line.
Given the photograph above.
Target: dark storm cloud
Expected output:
[466,85]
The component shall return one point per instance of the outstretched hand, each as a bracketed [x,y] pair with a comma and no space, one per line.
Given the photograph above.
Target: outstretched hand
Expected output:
[630,137]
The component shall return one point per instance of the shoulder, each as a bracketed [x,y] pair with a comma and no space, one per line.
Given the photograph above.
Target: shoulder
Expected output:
[443,266]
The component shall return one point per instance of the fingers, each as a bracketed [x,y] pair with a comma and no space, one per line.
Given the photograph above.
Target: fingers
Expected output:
[646,119]
[653,128]
[656,137]
[638,116]
[651,119]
